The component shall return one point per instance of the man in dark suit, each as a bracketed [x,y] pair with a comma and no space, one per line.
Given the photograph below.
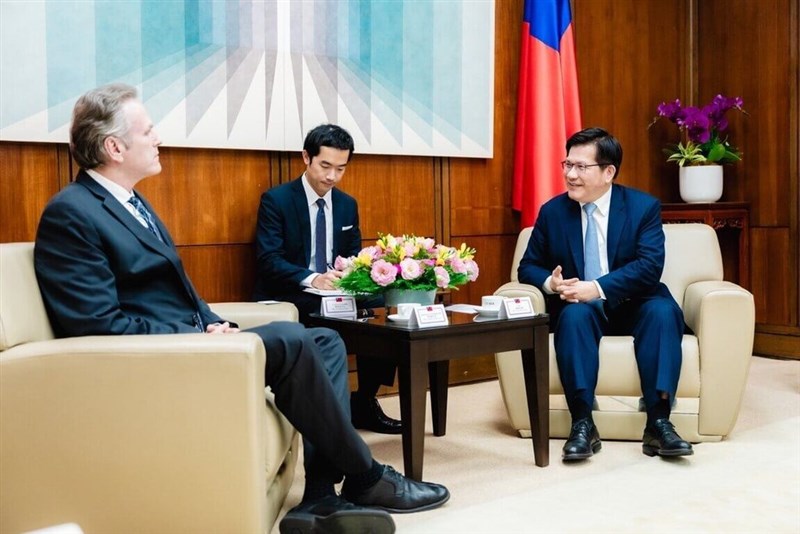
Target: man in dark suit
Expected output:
[106,264]
[289,259]
[597,252]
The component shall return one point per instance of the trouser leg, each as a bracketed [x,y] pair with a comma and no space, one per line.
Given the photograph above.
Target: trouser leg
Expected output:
[657,332]
[577,340]
[310,400]
[372,373]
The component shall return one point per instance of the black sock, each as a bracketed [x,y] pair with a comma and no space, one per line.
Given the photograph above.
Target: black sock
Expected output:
[316,490]
[660,410]
[579,409]
[362,481]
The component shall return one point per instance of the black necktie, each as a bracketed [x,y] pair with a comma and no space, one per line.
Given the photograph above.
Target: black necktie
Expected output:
[321,239]
[151,224]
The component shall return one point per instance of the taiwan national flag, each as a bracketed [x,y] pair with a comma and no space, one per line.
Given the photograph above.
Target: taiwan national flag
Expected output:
[548,109]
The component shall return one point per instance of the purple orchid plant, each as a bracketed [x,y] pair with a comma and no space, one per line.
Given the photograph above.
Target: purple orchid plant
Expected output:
[704,128]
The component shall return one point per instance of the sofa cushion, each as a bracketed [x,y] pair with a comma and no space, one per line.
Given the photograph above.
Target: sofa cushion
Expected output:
[22,314]
[618,375]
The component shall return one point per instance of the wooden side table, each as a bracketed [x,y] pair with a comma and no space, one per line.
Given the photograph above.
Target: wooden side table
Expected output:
[423,356]
[728,219]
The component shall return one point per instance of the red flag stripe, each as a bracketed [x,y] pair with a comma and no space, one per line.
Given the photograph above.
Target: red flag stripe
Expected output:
[548,112]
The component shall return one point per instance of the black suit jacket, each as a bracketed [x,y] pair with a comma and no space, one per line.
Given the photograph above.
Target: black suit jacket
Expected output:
[283,238]
[101,272]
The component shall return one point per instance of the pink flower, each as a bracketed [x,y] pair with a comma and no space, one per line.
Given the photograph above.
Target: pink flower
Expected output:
[383,273]
[374,252]
[472,270]
[459,266]
[428,244]
[342,264]
[442,276]
[410,269]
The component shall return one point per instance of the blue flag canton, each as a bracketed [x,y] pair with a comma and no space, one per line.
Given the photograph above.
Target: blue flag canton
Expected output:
[548,20]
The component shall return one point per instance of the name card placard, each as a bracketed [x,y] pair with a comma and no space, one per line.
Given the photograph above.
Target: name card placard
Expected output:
[515,307]
[428,316]
[341,307]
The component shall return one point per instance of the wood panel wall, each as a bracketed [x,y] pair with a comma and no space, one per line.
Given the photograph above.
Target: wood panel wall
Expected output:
[632,54]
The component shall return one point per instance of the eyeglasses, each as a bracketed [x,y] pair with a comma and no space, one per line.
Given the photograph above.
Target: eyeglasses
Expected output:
[579,167]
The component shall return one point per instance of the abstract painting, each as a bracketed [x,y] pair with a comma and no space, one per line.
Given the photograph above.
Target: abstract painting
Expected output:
[404,77]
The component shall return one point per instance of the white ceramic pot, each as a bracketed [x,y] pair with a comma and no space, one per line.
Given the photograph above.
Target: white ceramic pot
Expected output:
[701,183]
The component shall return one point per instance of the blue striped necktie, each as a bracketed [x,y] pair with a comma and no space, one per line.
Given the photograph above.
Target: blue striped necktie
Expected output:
[321,239]
[151,223]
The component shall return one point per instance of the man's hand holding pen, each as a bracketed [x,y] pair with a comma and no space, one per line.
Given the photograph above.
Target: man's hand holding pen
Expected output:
[326,280]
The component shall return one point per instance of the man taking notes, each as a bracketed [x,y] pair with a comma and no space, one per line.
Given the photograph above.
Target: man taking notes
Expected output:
[302,227]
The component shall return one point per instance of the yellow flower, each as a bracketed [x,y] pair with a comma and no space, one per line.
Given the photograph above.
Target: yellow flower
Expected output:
[364,259]
[466,253]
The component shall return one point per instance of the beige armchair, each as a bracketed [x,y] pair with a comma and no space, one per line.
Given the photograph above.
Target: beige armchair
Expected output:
[715,360]
[163,433]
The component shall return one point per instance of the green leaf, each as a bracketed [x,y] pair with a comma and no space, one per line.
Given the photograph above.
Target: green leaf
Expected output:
[716,152]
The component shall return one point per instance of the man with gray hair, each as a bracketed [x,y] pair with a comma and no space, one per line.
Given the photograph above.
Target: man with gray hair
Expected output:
[106,264]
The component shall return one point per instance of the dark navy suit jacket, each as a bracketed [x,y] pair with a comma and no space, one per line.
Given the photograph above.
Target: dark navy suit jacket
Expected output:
[101,272]
[635,245]
[283,238]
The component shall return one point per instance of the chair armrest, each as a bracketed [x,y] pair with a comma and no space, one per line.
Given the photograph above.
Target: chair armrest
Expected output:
[722,316]
[518,289]
[250,314]
[178,418]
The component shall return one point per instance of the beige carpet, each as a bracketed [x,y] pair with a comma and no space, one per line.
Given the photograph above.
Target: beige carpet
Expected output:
[747,483]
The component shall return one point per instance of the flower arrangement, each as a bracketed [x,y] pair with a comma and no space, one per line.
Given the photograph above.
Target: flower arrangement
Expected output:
[704,127]
[407,262]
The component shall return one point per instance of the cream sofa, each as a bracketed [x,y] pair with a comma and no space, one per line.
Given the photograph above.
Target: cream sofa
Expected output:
[715,360]
[162,433]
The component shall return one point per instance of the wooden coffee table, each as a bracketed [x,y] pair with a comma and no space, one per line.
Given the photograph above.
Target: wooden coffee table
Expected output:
[417,351]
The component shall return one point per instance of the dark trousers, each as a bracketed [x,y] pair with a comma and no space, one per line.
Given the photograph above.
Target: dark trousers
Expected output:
[371,372]
[307,371]
[657,327]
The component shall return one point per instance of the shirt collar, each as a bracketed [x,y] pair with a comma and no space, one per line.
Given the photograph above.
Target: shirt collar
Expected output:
[603,203]
[116,190]
[312,196]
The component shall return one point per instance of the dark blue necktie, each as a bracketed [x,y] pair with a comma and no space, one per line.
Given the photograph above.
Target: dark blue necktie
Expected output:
[591,248]
[321,239]
[151,223]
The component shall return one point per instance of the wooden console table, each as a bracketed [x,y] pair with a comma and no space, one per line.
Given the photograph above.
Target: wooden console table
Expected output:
[726,218]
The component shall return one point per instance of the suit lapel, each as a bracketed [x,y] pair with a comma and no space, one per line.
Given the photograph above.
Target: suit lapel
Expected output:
[575,237]
[300,204]
[617,218]
[142,234]
[118,211]
[338,220]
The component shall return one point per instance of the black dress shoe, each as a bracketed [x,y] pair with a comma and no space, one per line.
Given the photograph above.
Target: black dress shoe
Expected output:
[334,515]
[583,442]
[398,494]
[367,414]
[661,439]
